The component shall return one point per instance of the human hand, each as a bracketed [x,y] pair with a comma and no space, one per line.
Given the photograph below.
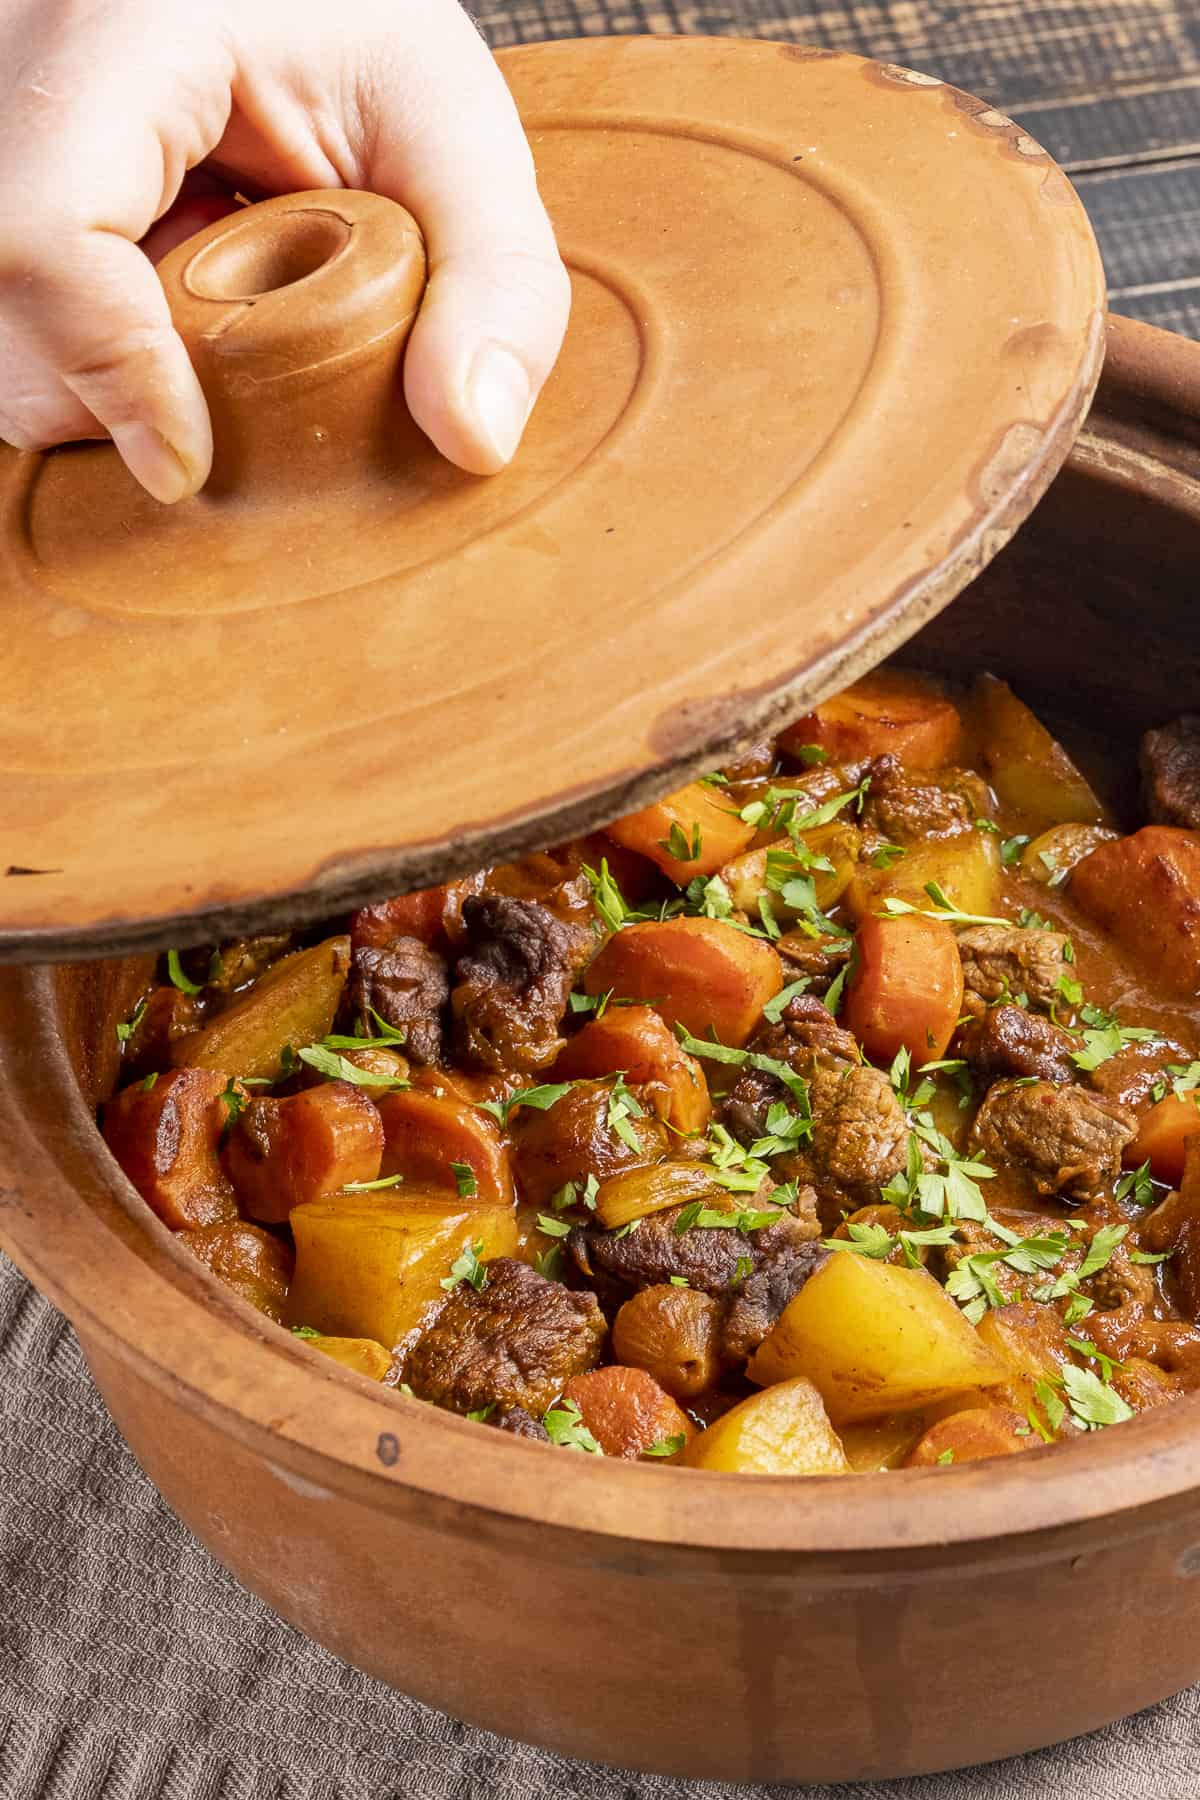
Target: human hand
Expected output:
[104,107]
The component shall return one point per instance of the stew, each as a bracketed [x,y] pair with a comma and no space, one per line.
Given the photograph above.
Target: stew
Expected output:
[839,1112]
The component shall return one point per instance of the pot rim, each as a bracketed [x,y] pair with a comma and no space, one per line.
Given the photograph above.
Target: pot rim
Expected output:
[79,1230]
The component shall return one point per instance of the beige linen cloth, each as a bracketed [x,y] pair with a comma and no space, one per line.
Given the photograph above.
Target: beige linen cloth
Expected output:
[133,1668]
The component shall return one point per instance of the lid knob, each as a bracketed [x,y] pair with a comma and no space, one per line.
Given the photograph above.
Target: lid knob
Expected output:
[295,313]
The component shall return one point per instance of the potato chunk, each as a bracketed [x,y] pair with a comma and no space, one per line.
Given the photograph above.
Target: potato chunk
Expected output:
[886,712]
[283,1152]
[874,1338]
[363,1355]
[1145,890]
[373,1267]
[967,868]
[837,843]
[425,1134]
[166,1139]
[1027,767]
[782,1431]
[636,1042]
[698,973]
[688,834]
[293,1004]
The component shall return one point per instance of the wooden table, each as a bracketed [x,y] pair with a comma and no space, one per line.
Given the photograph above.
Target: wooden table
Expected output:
[1111,89]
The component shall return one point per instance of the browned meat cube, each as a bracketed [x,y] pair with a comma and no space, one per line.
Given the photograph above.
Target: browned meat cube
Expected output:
[806,1037]
[903,809]
[859,1139]
[512,984]
[251,1262]
[166,1138]
[514,1342]
[574,1139]
[1170,759]
[283,1152]
[1002,961]
[1131,1075]
[1067,1140]
[712,1259]
[406,984]
[757,1302]
[1008,1041]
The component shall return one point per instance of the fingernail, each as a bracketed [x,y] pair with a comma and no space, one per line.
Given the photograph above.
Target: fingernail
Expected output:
[151,460]
[499,397]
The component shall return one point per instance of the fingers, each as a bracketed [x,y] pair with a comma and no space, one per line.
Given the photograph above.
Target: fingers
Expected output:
[89,349]
[445,141]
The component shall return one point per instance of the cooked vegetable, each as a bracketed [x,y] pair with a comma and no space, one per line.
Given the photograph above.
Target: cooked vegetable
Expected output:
[971,1435]
[1145,891]
[888,712]
[874,1338]
[1163,1134]
[166,1140]
[905,990]
[636,1042]
[698,973]
[784,1431]
[438,1141]
[793,883]
[628,1413]
[290,1006]
[283,1152]
[363,1355]
[873,1445]
[635,1193]
[588,1131]
[1028,768]
[255,1265]
[1050,857]
[374,1266]
[965,869]
[674,1333]
[688,834]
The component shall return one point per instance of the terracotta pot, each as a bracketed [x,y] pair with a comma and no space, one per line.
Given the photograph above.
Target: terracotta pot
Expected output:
[751,1629]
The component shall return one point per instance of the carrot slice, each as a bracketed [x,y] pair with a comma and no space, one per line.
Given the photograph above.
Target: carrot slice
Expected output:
[698,973]
[907,989]
[887,712]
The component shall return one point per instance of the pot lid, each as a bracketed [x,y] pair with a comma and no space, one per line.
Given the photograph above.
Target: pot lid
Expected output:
[835,326]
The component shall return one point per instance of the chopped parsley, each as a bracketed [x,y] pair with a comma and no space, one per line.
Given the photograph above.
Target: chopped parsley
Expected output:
[383,1037]
[1086,1347]
[811,754]
[773,1010]
[1093,1404]
[835,990]
[1011,848]
[900,1076]
[178,978]
[467,1267]
[973,1284]
[1099,1254]
[571,1194]
[679,1281]
[482,1412]
[549,1263]
[943,908]
[946,1457]
[1105,1038]
[887,854]
[126,1030]
[305,1331]
[1137,1185]
[697,1216]
[371,1187]
[668,1446]
[555,1228]
[874,1240]
[565,1427]
[464,1180]
[336,1067]
[622,1107]
[1031,921]
[540,1098]
[677,844]
[1051,1404]
[1148,1256]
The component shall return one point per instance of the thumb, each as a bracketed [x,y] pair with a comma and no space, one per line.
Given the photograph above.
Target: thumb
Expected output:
[88,348]
[496,307]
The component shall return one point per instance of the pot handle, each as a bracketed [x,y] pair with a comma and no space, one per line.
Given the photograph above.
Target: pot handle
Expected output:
[295,313]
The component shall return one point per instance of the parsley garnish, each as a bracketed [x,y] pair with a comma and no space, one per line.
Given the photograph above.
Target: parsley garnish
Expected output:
[464,1180]
[593,1003]
[1030,921]
[887,854]
[1106,1038]
[555,1228]
[1137,1185]
[467,1267]
[699,1217]
[1011,848]
[149,1082]
[874,1240]
[676,843]
[177,977]
[607,897]
[549,1263]
[304,1331]
[387,1035]
[835,990]
[565,1427]
[337,1068]
[126,1030]
[947,1456]
[1052,1405]
[1099,1255]
[667,1446]
[1092,1404]
[541,1098]
[1148,1256]
[371,1187]
[943,908]
[482,1412]
[811,754]
[1086,1347]
[974,1286]
[235,1101]
[622,1107]
[773,1010]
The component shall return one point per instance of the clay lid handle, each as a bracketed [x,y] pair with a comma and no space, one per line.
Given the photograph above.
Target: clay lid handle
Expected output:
[295,313]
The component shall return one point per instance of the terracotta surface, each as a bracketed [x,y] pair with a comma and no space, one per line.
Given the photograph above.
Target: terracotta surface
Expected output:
[834,328]
[722,1626]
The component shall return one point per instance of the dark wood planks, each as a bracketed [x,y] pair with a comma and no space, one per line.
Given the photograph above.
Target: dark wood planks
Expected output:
[1112,90]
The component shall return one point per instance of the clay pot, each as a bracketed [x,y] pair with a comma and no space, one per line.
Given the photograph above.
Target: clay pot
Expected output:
[750,1629]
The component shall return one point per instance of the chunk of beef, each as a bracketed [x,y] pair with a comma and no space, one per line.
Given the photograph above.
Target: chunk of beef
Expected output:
[821,959]
[757,1302]
[518,1423]
[512,984]
[1170,761]
[859,1139]
[712,1259]
[1000,961]
[1130,1076]
[514,1342]
[1008,1041]
[975,1238]
[406,984]
[1067,1140]
[903,809]
[806,1033]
